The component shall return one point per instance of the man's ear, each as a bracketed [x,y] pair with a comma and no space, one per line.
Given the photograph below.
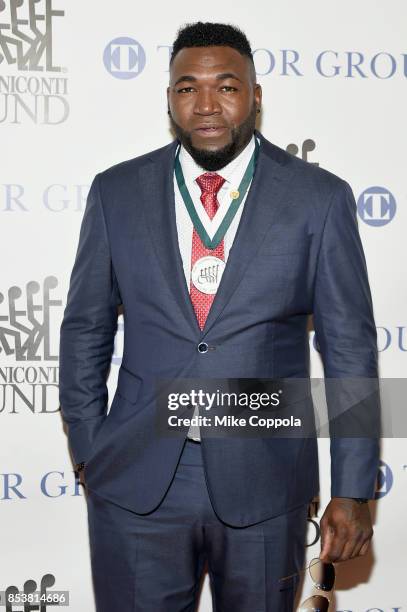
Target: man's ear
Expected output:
[168,100]
[258,96]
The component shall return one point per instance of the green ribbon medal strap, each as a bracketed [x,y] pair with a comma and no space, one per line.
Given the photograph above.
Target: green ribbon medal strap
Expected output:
[233,206]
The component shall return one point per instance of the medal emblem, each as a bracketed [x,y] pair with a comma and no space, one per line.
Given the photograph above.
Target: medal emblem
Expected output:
[206,274]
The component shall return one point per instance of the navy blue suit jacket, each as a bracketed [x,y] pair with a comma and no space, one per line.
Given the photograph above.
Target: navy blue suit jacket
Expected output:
[297,252]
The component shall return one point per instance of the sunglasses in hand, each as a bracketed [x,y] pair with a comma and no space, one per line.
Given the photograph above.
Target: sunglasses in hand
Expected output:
[323,577]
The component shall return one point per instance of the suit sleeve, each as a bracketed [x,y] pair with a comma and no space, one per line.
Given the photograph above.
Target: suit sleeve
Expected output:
[346,334]
[87,331]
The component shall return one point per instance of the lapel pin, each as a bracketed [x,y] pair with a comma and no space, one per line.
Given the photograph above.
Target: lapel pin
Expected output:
[234,194]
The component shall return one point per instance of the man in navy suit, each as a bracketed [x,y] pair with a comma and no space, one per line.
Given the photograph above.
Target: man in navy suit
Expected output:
[218,246]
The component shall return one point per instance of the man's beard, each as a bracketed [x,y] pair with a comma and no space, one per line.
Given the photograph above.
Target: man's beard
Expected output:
[215,160]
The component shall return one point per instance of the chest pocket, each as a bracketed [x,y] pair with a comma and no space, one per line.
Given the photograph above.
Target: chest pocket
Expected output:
[285,261]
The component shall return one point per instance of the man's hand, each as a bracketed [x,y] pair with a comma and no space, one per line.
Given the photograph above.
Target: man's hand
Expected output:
[346,530]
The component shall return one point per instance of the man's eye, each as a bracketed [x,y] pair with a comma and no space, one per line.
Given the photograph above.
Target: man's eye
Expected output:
[229,88]
[185,90]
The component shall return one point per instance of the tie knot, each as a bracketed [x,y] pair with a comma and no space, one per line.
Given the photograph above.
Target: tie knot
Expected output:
[210,182]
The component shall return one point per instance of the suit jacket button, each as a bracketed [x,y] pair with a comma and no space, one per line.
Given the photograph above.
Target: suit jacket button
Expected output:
[202,347]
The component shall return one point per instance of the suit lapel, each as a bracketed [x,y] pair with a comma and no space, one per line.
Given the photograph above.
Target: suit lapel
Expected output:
[157,181]
[263,202]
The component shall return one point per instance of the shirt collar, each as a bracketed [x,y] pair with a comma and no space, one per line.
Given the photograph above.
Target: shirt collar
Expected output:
[192,170]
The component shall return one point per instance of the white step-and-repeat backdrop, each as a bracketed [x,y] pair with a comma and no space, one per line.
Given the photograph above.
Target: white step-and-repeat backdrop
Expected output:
[82,86]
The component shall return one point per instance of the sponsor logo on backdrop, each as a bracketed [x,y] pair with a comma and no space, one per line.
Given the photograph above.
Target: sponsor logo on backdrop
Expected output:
[384,480]
[306,147]
[30,319]
[328,63]
[314,530]
[331,64]
[32,88]
[27,315]
[33,596]
[376,206]
[124,58]
[386,337]
[56,198]
[52,485]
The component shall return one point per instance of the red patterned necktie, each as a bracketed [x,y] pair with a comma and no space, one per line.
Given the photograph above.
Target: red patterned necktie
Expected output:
[209,183]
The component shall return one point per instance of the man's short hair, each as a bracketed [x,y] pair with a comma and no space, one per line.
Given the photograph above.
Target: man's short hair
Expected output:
[207,34]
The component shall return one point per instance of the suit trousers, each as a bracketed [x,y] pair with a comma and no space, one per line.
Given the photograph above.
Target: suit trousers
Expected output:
[155,562]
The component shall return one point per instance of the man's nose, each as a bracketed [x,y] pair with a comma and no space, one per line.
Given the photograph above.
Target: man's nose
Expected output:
[206,103]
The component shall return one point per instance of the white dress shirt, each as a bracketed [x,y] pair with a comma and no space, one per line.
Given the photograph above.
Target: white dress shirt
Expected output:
[233,174]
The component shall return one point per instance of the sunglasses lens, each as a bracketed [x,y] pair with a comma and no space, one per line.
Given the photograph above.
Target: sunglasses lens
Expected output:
[317,603]
[322,574]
